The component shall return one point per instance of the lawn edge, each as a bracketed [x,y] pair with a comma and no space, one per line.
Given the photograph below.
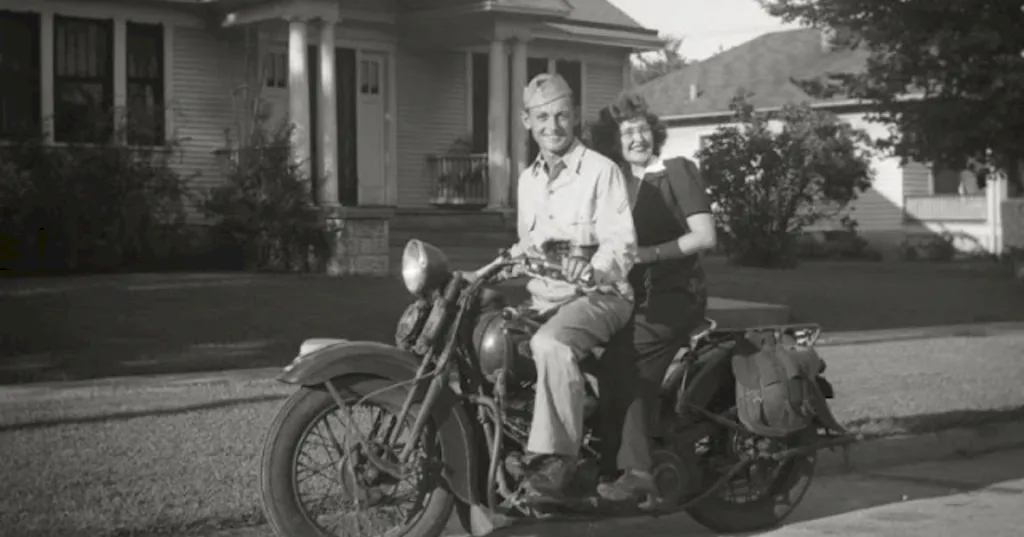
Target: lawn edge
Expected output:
[885,451]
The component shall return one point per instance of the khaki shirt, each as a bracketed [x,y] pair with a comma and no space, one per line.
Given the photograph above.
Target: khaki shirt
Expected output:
[584,201]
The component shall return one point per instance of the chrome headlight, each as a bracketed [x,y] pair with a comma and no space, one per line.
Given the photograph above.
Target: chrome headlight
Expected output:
[424,267]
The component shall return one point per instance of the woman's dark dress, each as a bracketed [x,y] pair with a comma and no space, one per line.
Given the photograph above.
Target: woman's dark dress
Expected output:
[671,300]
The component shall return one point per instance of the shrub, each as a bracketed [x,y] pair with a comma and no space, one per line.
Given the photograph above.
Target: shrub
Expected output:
[267,207]
[769,184]
[89,207]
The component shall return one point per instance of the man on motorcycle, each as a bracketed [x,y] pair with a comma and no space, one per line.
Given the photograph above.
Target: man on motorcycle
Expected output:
[573,205]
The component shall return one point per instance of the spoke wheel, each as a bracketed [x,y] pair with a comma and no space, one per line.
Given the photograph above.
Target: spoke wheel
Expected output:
[318,479]
[762,495]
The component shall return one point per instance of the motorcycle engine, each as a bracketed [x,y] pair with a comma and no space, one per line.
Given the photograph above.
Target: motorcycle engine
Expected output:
[497,349]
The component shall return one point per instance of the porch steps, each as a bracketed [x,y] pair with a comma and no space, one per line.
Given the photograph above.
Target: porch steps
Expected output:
[477,229]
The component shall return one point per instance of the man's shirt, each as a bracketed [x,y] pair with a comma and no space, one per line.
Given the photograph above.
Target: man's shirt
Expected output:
[581,198]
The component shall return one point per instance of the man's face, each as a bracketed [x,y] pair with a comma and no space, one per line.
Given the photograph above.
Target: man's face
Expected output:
[551,125]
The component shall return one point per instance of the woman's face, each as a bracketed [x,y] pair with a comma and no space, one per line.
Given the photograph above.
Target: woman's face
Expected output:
[637,141]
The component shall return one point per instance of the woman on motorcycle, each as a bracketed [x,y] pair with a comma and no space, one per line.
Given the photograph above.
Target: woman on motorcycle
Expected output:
[672,217]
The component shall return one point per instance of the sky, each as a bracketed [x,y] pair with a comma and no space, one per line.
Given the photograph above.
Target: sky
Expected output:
[706,26]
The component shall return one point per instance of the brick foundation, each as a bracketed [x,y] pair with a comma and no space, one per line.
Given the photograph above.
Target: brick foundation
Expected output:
[358,241]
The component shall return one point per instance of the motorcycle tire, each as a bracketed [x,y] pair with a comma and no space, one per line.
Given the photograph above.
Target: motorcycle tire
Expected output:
[766,512]
[280,498]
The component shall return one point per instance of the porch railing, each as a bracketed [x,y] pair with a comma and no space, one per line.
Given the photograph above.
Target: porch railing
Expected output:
[458,180]
[954,208]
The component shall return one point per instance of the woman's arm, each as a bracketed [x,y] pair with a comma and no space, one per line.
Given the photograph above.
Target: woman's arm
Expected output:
[700,238]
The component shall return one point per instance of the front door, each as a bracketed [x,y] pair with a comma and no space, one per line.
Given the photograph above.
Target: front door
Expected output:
[371,139]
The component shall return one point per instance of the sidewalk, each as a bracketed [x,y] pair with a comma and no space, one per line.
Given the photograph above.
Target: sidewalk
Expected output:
[949,498]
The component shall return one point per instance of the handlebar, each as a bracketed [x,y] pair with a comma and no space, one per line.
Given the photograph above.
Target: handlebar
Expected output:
[533,266]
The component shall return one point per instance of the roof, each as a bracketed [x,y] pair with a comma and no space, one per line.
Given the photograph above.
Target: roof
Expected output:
[601,12]
[765,66]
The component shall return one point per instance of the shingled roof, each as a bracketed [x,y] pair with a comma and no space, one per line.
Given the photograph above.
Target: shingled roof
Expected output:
[601,12]
[765,66]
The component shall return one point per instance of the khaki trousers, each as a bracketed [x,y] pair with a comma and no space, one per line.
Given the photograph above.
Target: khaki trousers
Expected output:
[575,329]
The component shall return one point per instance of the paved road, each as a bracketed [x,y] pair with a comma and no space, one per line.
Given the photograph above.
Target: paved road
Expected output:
[981,496]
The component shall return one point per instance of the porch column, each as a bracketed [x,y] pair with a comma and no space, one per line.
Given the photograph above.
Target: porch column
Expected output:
[298,94]
[519,134]
[995,194]
[497,127]
[327,109]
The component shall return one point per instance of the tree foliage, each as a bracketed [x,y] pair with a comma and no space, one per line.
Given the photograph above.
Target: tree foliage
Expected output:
[771,176]
[959,61]
[651,65]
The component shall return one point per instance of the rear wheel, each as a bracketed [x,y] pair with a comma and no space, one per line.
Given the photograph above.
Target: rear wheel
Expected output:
[764,494]
[317,481]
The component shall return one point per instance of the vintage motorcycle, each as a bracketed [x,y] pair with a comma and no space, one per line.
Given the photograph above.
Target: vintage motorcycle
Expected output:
[450,410]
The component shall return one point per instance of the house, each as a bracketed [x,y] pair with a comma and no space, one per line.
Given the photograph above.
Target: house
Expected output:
[906,202]
[391,99]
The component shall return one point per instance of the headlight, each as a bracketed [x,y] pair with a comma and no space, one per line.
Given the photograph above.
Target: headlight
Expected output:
[424,267]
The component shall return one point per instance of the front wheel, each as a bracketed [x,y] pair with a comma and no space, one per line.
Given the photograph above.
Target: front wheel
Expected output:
[349,496]
[761,497]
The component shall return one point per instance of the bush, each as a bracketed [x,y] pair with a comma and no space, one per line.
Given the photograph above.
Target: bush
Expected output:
[768,185]
[267,207]
[88,207]
[838,245]
[938,248]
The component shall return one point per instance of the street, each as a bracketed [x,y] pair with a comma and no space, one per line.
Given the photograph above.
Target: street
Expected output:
[979,496]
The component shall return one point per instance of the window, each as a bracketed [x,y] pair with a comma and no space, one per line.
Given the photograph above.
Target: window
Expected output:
[369,76]
[83,79]
[145,84]
[20,106]
[946,181]
[275,69]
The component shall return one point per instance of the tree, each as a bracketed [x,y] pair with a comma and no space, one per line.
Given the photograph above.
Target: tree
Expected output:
[651,65]
[768,183]
[947,75]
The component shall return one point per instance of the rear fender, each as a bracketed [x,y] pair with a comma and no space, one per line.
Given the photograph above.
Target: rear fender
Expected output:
[456,430]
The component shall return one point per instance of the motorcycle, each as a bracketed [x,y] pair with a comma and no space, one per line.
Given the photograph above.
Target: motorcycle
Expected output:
[455,393]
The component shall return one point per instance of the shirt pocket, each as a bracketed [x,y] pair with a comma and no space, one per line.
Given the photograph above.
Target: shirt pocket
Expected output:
[582,231]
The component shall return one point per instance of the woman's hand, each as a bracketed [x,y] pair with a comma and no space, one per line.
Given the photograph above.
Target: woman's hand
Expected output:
[646,254]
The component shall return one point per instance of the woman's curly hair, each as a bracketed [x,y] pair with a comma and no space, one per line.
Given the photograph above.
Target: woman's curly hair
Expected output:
[604,136]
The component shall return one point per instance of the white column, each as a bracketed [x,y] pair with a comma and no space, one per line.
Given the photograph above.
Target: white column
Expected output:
[995,194]
[120,75]
[519,134]
[46,74]
[327,110]
[497,127]
[298,94]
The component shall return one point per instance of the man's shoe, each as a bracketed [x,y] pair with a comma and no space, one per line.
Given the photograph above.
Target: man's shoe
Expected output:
[629,487]
[549,477]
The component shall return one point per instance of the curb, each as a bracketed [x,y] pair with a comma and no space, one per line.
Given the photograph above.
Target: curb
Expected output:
[888,451]
[862,337]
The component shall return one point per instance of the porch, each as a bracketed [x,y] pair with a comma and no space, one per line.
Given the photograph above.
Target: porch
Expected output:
[429,119]
[972,220]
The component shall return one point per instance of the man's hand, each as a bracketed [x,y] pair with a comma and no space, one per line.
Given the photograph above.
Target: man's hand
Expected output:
[576,269]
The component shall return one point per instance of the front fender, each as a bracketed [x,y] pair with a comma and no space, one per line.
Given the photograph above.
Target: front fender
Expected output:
[456,430]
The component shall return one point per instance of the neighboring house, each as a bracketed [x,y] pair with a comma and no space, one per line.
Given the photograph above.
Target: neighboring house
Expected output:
[908,201]
[386,95]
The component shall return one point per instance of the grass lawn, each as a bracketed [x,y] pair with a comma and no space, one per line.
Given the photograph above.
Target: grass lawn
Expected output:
[182,458]
[94,326]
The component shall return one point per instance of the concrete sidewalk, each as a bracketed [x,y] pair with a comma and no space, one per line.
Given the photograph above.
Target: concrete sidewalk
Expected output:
[948,498]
